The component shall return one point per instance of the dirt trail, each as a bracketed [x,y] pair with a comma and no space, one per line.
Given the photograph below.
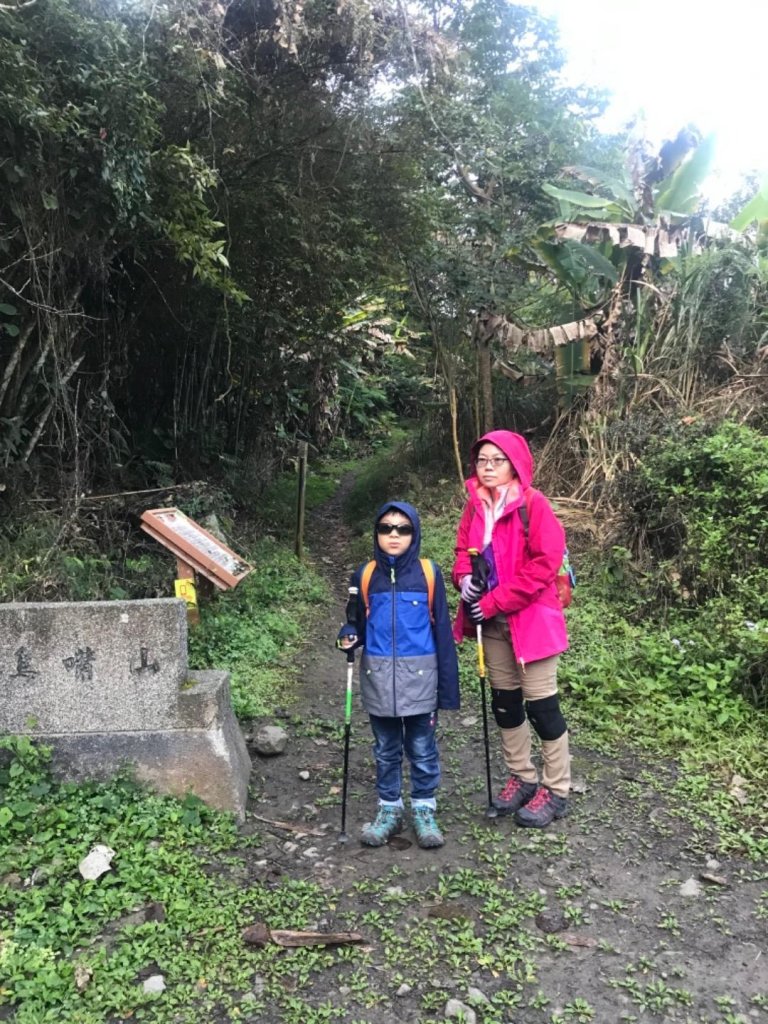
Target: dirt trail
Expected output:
[585,921]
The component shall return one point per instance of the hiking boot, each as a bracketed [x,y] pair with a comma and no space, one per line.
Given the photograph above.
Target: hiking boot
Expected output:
[515,794]
[388,822]
[542,810]
[428,834]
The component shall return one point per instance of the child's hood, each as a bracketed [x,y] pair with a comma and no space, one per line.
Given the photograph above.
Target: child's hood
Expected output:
[515,447]
[404,560]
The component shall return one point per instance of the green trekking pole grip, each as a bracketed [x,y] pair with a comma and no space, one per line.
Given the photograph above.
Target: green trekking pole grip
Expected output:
[480,575]
[348,703]
[343,837]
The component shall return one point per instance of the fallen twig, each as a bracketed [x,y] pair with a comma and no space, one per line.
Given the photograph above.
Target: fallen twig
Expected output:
[260,935]
[288,826]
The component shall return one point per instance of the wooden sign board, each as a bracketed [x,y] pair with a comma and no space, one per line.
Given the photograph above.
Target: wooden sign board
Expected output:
[195,546]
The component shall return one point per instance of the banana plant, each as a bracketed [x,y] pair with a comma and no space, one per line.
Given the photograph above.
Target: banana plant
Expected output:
[608,240]
[624,224]
[756,212]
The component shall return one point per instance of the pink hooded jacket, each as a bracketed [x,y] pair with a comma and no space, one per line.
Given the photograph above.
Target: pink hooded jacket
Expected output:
[526,591]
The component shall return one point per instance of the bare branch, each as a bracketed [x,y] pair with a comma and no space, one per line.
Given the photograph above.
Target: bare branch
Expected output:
[48,410]
[41,305]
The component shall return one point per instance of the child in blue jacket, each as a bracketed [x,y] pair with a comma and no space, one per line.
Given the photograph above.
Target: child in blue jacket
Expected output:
[409,669]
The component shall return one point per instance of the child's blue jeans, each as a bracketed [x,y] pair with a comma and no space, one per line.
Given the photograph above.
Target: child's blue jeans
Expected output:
[417,735]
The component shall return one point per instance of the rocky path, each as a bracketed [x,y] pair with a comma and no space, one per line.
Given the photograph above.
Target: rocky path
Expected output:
[620,912]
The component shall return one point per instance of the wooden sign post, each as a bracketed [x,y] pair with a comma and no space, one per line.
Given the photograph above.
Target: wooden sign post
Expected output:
[196,551]
[302,499]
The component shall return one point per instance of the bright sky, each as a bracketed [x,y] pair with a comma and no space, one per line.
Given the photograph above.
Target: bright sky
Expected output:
[677,62]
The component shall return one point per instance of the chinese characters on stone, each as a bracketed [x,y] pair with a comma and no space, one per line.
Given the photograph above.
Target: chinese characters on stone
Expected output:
[82,664]
[24,668]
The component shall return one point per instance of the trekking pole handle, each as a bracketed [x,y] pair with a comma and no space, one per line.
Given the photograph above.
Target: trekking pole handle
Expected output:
[479,568]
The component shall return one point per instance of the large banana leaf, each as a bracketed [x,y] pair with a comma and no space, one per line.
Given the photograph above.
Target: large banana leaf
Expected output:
[567,195]
[571,200]
[618,190]
[581,268]
[544,341]
[573,261]
[679,193]
[755,210]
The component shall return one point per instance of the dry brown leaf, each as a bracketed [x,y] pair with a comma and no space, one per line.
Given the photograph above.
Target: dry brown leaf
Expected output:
[257,935]
[83,975]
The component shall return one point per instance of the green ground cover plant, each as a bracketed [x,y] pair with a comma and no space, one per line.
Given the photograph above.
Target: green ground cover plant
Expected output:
[277,506]
[40,561]
[53,921]
[78,950]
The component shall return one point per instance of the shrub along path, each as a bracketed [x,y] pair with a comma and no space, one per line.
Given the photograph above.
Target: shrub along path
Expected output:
[620,912]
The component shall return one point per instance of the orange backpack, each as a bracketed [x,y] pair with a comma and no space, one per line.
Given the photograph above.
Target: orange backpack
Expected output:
[429,574]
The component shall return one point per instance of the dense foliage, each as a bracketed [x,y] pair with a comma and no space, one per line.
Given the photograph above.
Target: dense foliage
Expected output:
[196,197]
[192,197]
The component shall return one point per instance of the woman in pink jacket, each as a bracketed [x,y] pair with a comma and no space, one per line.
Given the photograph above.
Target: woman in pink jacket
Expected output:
[524,633]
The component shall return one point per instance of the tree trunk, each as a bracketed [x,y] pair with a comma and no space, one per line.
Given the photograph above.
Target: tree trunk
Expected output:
[453,404]
[485,383]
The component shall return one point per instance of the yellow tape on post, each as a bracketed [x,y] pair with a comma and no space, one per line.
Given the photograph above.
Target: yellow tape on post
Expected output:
[186,590]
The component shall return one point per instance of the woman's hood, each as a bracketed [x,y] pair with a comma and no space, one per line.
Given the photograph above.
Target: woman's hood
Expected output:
[515,447]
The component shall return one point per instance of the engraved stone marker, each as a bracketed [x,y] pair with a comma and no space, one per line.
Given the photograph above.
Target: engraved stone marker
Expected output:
[107,683]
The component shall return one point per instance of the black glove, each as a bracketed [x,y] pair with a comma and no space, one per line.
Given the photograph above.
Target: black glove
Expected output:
[476,613]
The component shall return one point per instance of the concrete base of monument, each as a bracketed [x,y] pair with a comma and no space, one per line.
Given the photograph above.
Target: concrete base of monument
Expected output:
[207,756]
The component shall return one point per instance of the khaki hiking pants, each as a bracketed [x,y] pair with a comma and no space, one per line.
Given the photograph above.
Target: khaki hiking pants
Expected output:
[537,680]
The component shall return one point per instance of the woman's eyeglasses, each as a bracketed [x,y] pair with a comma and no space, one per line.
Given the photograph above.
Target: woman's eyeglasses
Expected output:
[401,529]
[496,461]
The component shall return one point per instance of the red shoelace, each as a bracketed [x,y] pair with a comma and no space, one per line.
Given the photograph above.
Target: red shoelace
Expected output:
[511,788]
[541,797]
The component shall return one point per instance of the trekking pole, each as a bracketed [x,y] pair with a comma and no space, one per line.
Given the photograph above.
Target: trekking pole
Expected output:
[480,575]
[343,837]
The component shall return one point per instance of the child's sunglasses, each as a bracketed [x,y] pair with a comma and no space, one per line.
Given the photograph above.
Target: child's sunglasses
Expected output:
[401,529]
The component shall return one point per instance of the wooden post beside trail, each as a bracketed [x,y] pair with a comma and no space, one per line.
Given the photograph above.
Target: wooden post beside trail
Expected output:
[185,588]
[301,503]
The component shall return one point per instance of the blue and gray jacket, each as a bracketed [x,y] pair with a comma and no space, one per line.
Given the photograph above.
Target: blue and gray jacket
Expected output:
[409,664]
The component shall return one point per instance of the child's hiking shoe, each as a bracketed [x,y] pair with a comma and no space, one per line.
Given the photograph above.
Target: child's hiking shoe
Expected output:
[542,810]
[388,822]
[428,834]
[515,794]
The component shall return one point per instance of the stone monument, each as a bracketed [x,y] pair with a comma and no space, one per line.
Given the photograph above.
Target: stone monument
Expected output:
[106,685]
